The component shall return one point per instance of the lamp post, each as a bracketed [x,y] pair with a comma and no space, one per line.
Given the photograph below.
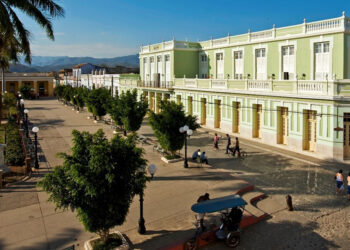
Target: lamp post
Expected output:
[152,169]
[35,131]
[188,132]
[26,111]
[22,105]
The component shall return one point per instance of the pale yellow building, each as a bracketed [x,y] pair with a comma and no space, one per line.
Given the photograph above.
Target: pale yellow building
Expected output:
[41,83]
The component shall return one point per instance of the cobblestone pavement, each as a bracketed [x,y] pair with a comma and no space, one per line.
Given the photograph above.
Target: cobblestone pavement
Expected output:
[321,219]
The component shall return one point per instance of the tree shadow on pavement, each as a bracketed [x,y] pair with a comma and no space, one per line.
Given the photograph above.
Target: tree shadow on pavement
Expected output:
[61,240]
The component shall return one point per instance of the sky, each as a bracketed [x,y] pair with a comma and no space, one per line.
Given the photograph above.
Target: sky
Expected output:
[110,28]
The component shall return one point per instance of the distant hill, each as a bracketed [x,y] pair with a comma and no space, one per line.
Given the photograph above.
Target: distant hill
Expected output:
[55,63]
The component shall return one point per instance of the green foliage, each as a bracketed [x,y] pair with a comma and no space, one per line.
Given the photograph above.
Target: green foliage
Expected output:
[9,103]
[98,180]
[59,89]
[99,101]
[127,111]
[13,152]
[166,125]
[67,92]
[25,91]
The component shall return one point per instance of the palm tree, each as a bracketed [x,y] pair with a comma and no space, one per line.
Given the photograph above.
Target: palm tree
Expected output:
[15,37]
[40,10]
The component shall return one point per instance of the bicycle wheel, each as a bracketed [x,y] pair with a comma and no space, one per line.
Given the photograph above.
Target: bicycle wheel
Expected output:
[233,240]
[190,244]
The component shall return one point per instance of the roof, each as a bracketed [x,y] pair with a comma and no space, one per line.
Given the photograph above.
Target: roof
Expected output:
[79,65]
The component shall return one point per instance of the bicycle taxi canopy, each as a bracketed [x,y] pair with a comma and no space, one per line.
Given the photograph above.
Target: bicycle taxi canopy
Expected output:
[218,204]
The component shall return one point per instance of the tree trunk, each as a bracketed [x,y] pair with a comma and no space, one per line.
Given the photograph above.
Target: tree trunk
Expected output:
[104,234]
[2,89]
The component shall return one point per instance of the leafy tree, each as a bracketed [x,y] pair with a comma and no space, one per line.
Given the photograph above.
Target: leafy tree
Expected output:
[59,89]
[99,101]
[98,180]
[166,125]
[129,112]
[25,91]
[67,93]
[114,110]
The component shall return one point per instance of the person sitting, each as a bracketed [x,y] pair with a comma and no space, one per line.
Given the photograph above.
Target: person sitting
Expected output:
[235,218]
[204,158]
[196,154]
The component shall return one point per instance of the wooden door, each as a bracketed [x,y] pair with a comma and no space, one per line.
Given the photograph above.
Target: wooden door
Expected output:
[284,125]
[217,114]
[190,105]
[203,111]
[311,130]
[346,135]
[235,117]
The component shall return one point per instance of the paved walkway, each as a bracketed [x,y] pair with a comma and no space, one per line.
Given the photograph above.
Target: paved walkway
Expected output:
[28,221]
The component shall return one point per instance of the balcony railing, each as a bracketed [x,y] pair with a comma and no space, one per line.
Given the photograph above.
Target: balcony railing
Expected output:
[275,87]
[154,84]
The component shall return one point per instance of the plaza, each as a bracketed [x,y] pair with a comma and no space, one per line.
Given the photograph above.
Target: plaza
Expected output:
[28,221]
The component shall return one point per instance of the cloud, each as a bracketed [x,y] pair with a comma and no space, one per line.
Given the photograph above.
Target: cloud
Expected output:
[94,50]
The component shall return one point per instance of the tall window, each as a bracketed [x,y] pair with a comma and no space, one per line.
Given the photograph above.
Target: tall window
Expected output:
[145,69]
[288,62]
[260,55]
[322,69]
[167,67]
[203,67]
[151,60]
[238,64]
[220,66]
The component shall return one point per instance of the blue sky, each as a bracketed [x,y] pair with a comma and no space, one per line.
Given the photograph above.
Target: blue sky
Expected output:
[110,28]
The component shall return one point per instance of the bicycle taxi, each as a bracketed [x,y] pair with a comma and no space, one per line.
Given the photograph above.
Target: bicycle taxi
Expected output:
[231,208]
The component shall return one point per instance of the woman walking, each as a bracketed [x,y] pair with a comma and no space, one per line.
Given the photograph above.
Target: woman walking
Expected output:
[216,141]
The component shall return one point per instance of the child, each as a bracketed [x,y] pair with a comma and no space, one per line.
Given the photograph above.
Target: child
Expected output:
[340,181]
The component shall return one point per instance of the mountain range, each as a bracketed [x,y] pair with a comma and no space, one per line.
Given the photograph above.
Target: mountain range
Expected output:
[55,63]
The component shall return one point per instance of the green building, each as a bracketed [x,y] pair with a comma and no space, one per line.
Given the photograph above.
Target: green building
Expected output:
[288,87]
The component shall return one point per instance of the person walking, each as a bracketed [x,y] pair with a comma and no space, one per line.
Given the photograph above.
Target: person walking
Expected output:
[236,149]
[216,141]
[348,179]
[202,198]
[340,181]
[228,143]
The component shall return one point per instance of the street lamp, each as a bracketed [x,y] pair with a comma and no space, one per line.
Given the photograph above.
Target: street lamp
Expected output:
[26,111]
[22,105]
[188,132]
[152,169]
[35,131]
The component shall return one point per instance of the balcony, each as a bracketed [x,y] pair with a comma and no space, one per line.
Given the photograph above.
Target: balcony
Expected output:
[154,84]
[295,88]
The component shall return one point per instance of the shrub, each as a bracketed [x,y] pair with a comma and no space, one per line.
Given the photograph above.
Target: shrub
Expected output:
[14,151]
[25,91]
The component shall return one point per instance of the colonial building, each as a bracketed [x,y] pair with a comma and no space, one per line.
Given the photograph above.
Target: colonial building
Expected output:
[80,69]
[41,83]
[288,87]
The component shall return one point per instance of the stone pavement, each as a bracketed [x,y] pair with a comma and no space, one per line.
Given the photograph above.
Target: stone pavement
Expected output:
[321,219]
